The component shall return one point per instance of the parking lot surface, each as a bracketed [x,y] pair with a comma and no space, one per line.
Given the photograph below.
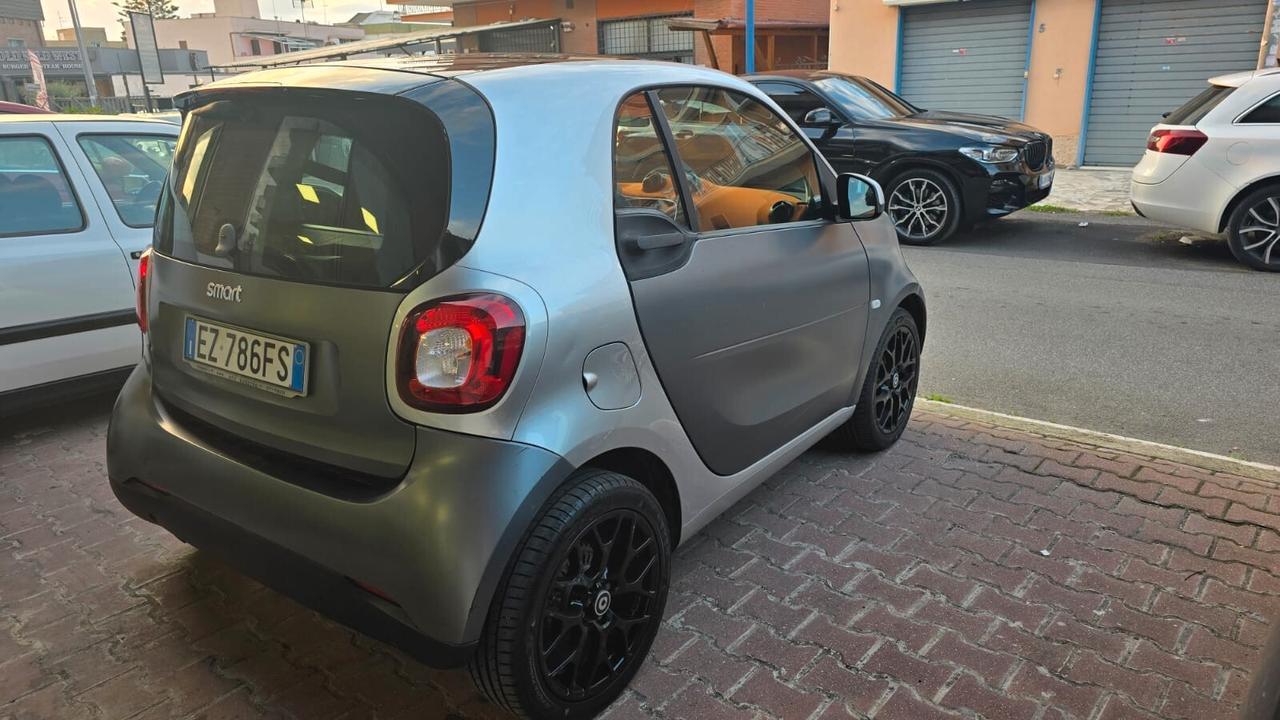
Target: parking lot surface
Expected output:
[971,571]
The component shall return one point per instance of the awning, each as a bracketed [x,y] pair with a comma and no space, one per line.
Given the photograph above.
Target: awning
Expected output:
[767,31]
[401,41]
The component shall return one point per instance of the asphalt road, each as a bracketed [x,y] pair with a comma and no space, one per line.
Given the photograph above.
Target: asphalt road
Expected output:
[1118,326]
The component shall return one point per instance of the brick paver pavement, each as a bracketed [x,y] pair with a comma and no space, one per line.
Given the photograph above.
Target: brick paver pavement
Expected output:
[970,571]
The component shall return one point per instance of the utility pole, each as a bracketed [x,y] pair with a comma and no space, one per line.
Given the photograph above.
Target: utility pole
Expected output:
[84,56]
[1266,35]
[750,31]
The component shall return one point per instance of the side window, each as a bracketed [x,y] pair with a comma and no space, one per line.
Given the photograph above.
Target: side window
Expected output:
[1266,113]
[641,166]
[35,196]
[745,166]
[132,169]
[794,100]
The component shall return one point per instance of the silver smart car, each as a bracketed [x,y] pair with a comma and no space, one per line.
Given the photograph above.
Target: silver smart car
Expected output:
[457,351]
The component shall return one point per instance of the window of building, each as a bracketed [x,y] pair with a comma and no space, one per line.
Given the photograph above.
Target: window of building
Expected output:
[17,43]
[35,197]
[132,169]
[745,165]
[1267,113]
[641,165]
[182,44]
[255,46]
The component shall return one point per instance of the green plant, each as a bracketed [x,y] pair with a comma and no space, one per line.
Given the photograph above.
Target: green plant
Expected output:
[1054,209]
[159,9]
[939,397]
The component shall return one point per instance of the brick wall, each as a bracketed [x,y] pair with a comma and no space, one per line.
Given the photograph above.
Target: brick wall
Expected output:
[26,30]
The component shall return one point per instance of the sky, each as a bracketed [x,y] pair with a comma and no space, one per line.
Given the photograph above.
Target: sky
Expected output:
[101,13]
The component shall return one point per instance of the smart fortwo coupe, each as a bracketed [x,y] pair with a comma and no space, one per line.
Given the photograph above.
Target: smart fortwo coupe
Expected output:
[459,366]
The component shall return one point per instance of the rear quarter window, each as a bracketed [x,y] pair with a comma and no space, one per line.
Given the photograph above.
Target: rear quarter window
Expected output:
[1194,110]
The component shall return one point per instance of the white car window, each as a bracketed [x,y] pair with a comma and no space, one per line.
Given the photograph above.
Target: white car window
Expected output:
[132,168]
[35,196]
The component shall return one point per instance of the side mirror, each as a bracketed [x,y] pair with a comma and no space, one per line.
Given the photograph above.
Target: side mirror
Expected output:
[861,198]
[820,117]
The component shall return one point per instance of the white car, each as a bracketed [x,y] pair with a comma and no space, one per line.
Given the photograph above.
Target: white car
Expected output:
[1213,165]
[77,202]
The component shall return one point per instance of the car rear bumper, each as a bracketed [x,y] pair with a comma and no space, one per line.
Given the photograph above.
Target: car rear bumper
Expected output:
[415,566]
[1192,197]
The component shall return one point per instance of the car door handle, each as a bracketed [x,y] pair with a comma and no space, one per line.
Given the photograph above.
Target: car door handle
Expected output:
[663,240]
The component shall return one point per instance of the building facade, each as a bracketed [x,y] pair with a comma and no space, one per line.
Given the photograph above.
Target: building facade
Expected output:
[1095,74]
[641,28]
[236,30]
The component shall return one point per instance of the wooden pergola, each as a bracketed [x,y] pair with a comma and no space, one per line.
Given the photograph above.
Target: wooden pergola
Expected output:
[767,34]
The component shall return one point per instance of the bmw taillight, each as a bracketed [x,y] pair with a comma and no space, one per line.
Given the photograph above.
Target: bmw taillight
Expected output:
[1176,142]
[459,354]
[144,269]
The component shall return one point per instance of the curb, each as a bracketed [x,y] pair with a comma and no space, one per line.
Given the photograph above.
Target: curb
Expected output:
[1172,453]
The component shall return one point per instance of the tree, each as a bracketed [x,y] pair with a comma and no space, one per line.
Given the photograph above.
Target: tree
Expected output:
[159,9]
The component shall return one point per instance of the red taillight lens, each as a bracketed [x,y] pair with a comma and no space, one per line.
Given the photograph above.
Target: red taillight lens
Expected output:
[459,354]
[144,268]
[1176,142]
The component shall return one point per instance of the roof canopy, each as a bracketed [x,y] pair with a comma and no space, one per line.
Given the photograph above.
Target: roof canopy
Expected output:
[401,41]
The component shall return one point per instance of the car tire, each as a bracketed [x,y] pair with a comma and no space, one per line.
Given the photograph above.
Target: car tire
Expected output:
[897,354]
[558,595]
[921,189]
[1253,230]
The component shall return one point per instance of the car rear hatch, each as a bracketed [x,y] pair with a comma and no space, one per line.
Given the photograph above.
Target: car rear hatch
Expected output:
[294,221]
[1167,146]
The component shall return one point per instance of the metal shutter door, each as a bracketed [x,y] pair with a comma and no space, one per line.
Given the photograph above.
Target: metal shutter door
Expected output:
[1154,55]
[966,56]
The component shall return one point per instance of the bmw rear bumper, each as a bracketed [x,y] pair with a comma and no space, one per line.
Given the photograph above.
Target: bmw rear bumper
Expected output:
[415,566]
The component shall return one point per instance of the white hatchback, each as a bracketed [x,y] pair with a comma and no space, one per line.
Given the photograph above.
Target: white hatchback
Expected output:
[77,203]
[1213,165]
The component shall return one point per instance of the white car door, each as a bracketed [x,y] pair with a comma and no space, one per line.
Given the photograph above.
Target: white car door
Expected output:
[125,166]
[66,297]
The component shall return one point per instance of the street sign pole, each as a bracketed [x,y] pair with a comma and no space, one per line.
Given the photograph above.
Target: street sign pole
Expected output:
[84,56]
[750,32]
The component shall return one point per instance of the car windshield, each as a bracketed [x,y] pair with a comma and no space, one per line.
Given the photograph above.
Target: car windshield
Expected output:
[863,99]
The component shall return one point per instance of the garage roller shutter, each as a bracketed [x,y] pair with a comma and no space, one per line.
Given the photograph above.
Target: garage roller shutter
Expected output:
[966,56]
[1154,55]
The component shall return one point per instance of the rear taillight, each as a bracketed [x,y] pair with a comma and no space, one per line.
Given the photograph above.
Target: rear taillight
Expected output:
[144,267]
[1176,142]
[459,354]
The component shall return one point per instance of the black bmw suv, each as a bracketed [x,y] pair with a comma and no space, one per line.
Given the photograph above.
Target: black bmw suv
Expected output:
[941,170]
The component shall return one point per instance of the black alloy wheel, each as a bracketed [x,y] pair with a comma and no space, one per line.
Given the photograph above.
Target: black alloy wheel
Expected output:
[580,607]
[602,598]
[897,374]
[1253,232]
[888,390]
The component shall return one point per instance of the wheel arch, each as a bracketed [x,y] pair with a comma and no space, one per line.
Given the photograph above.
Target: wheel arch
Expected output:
[1268,181]
[895,168]
[649,470]
[913,303]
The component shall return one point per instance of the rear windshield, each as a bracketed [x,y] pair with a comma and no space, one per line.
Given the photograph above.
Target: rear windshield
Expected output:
[334,189]
[1194,110]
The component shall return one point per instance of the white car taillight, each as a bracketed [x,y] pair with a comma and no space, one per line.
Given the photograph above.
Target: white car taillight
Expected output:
[459,354]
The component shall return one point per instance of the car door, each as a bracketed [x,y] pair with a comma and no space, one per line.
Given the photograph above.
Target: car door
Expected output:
[836,139]
[124,165]
[751,301]
[66,298]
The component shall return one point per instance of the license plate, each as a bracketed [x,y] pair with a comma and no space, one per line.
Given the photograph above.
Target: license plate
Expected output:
[1045,180]
[272,363]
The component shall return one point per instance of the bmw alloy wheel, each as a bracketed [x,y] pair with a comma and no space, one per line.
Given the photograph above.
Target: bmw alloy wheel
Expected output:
[919,208]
